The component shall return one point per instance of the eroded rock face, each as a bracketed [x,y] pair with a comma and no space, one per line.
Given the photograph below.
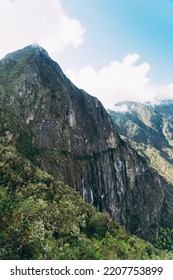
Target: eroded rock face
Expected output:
[68,133]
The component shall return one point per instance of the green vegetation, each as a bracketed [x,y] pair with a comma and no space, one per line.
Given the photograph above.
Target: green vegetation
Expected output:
[44,219]
[164,240]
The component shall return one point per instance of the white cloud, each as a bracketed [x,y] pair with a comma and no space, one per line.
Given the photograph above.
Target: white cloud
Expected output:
[44,22]
[121,81]
[121,108]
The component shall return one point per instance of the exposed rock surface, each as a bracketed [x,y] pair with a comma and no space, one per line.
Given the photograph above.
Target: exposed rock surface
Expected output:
[68,133]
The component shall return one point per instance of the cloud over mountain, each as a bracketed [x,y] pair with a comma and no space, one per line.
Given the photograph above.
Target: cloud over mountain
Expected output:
[121,81]
[44,22]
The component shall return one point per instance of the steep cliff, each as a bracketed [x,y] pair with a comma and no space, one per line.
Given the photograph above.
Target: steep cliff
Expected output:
[68,133]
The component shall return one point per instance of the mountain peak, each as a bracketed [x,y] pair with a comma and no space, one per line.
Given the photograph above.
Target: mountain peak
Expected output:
[32,58]
[33,49]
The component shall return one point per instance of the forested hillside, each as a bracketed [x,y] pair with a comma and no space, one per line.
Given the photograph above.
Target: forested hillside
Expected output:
[41,218]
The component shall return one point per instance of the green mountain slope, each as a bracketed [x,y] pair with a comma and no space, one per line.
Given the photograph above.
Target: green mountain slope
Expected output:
[41,218]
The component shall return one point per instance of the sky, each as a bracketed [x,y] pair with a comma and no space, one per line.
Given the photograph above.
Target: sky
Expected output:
[116,50]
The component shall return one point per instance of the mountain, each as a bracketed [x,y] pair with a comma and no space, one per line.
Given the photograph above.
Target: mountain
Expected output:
[68,133]
[150,130]
[146,123]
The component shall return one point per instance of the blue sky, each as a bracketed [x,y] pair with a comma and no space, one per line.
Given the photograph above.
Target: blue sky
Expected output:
[116,50]
[115,28]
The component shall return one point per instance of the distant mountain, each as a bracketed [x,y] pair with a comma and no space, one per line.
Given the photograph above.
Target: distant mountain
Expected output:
[150,130]
[68,133]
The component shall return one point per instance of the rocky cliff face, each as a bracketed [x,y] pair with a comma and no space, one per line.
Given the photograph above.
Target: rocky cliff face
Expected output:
[68,133]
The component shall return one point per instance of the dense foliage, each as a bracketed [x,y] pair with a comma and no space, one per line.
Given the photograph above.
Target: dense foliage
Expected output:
[164,240]
[44,219]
